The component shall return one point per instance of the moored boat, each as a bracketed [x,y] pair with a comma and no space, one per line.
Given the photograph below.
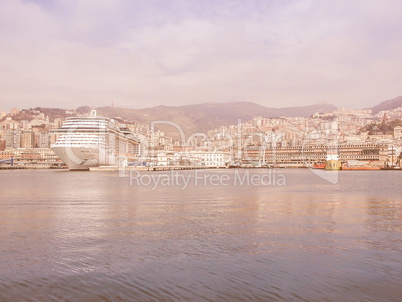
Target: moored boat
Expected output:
[332,162]
[93,141]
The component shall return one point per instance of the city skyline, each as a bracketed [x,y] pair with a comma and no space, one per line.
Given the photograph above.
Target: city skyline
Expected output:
[144,54]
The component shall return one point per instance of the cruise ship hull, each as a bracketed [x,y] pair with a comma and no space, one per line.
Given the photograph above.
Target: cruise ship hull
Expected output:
[82,158]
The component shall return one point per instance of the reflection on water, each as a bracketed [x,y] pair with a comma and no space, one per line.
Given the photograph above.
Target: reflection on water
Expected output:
[91,236]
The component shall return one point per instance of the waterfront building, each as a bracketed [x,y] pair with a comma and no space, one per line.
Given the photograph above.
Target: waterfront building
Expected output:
[27,139]
[210,159]
[43,140]
[193,158]
[308,155]
[32,157]
[13,139]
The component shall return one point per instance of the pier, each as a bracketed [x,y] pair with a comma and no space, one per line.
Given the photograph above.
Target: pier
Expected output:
[12,167]
[153,168]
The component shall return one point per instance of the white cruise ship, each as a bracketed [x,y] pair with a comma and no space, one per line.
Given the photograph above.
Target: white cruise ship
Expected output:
[84,142]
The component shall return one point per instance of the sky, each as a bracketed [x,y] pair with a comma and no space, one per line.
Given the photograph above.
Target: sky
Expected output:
[138,54]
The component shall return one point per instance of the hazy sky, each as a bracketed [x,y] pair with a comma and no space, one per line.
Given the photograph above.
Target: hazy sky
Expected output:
[173,52]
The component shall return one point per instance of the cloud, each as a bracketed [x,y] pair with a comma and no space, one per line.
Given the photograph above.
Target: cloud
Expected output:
[144,53]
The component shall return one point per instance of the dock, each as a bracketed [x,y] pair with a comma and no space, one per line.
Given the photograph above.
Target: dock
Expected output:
[12,167]
[153,168]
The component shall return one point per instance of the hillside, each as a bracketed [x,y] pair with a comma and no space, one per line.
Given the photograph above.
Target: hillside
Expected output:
[191,118]
[388,105]
[382,128]
[199,117]
[204,117]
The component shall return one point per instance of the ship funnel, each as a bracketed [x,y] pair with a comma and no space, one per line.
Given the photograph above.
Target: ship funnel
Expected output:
[93,113]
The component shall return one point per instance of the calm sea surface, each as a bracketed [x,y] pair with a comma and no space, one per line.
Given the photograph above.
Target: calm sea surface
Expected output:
[91,236]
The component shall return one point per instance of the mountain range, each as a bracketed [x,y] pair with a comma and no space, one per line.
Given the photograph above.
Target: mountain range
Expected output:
[202,117]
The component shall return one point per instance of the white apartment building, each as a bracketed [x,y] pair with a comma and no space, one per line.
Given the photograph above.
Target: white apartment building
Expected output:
[195,158]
